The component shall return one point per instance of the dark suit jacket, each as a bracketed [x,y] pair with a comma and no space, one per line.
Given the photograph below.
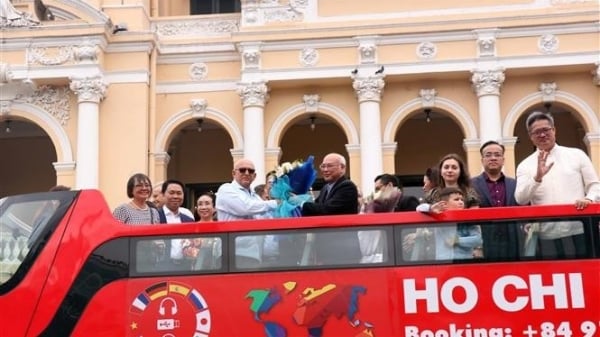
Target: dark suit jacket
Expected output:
[335,247]
[485,200]
[407,203]
[500,241]
[341,199]
[163,217]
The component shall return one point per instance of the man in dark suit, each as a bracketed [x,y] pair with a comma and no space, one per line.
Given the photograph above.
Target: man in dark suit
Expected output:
[496,190]
[172,212]
[338,196]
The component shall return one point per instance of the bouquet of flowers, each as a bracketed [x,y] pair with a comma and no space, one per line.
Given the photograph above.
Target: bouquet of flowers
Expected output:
[292,186]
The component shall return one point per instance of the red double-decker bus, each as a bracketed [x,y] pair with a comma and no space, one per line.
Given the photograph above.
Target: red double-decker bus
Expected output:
[68,268]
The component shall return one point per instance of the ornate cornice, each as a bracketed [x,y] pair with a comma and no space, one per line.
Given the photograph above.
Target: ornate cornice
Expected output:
[253,94]
[487,82]
[198,27]
[369,88]
[89,89]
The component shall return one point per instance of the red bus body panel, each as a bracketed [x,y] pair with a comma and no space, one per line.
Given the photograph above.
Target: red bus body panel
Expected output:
[527,298]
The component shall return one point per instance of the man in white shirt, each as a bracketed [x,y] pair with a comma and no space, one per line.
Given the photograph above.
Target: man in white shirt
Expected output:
[555,174]
[172,213]
[236,201]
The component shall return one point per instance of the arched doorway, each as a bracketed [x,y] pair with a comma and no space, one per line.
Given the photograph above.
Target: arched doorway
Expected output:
[200,152]
[28,155]
[316,135]
[422,140]
[569,130]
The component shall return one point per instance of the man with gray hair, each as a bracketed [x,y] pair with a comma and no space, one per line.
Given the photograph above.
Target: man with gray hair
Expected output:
[556,174]
[338,196]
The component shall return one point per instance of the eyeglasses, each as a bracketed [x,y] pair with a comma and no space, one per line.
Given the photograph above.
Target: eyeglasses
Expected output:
[246,170]
[142,185]
[541,131]
[327,166]
[492,154]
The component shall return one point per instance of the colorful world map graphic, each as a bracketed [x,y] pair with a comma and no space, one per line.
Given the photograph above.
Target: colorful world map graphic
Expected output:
[314,308]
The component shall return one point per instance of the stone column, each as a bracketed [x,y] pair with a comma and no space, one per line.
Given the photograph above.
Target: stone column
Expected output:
[90,91]
[389,156]
[64,173]
[353,164]
[510,165]
[272,158]
[486,84]
[592,140]
[473,159]
[369,90]
[161,164]
[254,95]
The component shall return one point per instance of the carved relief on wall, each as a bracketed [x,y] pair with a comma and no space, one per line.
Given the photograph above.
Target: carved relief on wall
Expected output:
[198,27]
[426,50]
[49,56]
[198,71]
[309,57]
[548,44]
[54,100]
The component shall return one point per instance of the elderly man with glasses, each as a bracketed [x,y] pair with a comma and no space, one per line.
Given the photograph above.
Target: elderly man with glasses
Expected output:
[338,196]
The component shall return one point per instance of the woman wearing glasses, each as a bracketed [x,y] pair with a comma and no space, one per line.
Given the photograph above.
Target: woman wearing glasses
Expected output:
[137,210]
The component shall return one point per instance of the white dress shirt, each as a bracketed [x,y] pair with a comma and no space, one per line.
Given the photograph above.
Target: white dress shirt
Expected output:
[571,177]
[234,202]
[176,247]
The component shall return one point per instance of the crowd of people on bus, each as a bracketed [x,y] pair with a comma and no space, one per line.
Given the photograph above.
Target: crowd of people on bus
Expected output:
[553,174]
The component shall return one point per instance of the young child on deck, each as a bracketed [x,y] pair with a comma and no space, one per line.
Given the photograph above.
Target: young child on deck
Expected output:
[461,241]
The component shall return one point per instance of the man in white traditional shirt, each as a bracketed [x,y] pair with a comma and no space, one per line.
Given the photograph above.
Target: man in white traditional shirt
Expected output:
[236,201]
[556,174]
[172,212]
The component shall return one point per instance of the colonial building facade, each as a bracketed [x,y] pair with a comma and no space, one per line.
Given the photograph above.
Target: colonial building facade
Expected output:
[110,88]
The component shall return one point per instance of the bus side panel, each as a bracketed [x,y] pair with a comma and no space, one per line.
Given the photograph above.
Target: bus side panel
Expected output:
[88,227]
[506,299]
[19,304]
[503,300]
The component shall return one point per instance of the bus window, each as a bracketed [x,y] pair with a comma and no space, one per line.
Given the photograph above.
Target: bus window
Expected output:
[294,249]
[25,221]
[178,254]
[497,240]
[448,242]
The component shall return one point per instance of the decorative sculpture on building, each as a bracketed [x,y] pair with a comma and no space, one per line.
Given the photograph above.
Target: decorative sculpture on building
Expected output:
[11,17]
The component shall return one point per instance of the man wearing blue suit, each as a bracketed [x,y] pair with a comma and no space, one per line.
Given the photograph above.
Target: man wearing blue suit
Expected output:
[496,190]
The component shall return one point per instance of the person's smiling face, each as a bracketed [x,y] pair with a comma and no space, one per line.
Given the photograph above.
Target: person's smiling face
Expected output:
[542,134]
